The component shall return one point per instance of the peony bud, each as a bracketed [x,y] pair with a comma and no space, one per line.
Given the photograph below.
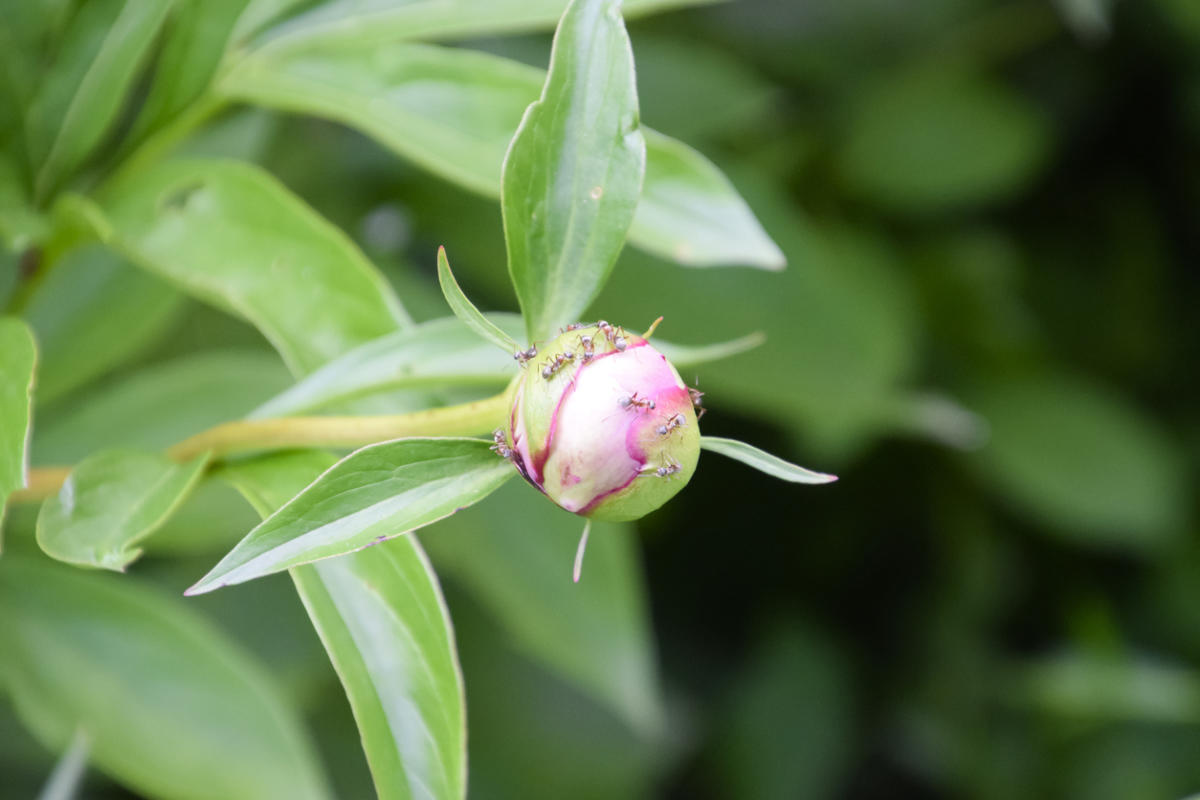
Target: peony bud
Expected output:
[602,424]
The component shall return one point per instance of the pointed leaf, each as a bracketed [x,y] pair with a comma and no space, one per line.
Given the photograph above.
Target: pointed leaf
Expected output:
[398,20]
[689,211]
[684,356]
[513,554]
[573,173]
[17,359]
[373,494]
[230,234]
[381,617]
[763,461]
[466,311]
[173,708]
[110,502]
[67,778]
[83,92]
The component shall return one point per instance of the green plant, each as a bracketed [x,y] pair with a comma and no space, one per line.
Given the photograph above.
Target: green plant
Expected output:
[93,184]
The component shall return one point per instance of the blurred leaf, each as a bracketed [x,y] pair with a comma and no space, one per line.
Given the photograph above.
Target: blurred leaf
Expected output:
[82,93]
[197,36]
[111,501]
[20,225]
[763,461]
[683,356]
[160,405]
[92,312]
[382,619]
[466,311]
[453,112]
[786,731]
[172,708]
[375,493]
[387,21]
[232,235]
[1088,687]
[573,173]
[441,352]
[514,555]
[64,782]
[18,357]
[929,141]
[1080,459]
[1091,20]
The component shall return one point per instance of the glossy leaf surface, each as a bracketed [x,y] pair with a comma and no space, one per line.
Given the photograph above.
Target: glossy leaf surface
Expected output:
[763,461]
[82,94]
[453,112]
[376,493]
[66,664]
[232,235]
[381,617]
[111,501]
[573,173]
[18,357]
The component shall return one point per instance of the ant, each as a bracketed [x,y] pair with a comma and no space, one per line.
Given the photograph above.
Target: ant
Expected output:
[667,469]
[633,401]
[675,421]
[585,342]
[524,356]
[500,444]
[559,361]
[696,394]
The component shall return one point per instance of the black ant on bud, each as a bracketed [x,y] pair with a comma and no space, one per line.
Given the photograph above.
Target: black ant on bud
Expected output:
[585,342]
[560,361]
[667,469]
[500,444]
[696,394]
[633,401]
[675,421]
[523,356]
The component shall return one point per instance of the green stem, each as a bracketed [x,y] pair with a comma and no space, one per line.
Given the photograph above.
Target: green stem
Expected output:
[467,419]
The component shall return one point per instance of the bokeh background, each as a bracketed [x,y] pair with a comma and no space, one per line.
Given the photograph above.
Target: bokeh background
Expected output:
[988,328]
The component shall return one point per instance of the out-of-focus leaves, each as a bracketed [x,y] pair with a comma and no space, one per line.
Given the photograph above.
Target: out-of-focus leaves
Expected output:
[382,619]
[80,96]
[466,311]
[385,21]
[441,352]
[19,223]
[683,356]
[514,555]
[160,405]
[232,235]
[454,111]
[126,665]
[376,493]
[197,36]
[1084,687]
[787,726]
[65,781]
[573,173]
[763,461]
[1081,460]
[92,312]
[18,356]
[110,502]
[928,141]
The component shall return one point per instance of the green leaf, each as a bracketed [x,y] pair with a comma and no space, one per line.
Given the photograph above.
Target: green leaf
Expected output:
[573,173]
[18,356]
[67,778]
[683,356]
[763,461]
[92,312]
[232,235]
[690,212]
[441,352]
[466,311]
[375,493]
[1076,456]
[381,617]
[514,555]
[453,112]
[388,21]
[110,502]
[20,225]
[928,141]
[172,707]
[83,92]
[197,37]
[160,405]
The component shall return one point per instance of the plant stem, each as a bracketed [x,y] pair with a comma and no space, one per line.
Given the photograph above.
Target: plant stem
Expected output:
[467,419]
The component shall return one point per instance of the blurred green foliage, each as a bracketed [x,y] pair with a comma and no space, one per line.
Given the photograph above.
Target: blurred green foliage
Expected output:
[987,328]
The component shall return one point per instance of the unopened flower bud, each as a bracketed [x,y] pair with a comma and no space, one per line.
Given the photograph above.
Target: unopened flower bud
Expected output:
[603,425]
